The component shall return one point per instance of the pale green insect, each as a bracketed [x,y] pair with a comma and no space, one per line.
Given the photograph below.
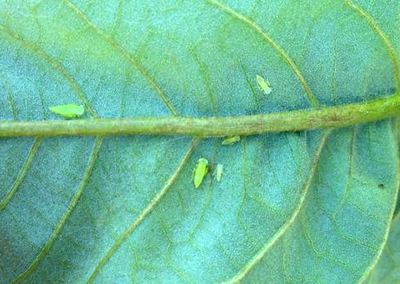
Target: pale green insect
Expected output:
[68,110]
[231,140]
[264,85]
[200,171]
[218,172]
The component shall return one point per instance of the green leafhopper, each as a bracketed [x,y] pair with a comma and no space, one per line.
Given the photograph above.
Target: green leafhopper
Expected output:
[264,85]
[200,172]
[218,172]
[231,140]
[69,110]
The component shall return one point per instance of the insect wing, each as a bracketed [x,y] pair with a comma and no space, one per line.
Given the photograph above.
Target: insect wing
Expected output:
[231,140]
[68,110]
[200,172]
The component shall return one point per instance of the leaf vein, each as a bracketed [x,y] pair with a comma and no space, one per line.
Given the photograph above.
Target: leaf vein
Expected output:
[206,79]
[56,65]
[66,215]
[389,220]
[123,52]
[10,194]
[145,212]
[10,96]
[311,97]
[323,254]
[374,25]
[266,248]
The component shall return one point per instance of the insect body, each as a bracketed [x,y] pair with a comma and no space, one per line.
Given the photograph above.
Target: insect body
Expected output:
[264,85]
[68,110]
[231,140]
[200,172]
[218,172]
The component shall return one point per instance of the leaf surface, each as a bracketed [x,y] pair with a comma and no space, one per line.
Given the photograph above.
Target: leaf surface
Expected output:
[388,269]
[305,207]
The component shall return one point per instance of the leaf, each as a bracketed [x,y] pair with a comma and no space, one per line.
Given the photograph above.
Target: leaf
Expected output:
[388,269]
[324,243]
[398,206]
[293,207]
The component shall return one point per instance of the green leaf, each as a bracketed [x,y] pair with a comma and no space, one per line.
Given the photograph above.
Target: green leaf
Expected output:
[388,269]
[336,236]
[398,206]
[292,207]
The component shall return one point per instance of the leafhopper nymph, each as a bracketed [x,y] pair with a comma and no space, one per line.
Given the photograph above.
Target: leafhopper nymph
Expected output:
[218,172]
[200,171]
[68,111]
[264,85]
[231,140]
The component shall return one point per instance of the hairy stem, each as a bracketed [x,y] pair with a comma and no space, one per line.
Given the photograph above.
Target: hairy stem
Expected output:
[328,117]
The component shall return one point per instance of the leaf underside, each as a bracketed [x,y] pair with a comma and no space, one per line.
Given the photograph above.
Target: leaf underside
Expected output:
[296,207]
[387,271]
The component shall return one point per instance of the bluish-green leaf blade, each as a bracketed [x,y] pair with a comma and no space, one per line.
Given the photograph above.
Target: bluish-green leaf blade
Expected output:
[160,58]
[341,231]
[387,270]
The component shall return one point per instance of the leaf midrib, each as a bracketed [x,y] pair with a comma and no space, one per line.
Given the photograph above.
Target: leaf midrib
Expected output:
[328,117]
[175,113]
